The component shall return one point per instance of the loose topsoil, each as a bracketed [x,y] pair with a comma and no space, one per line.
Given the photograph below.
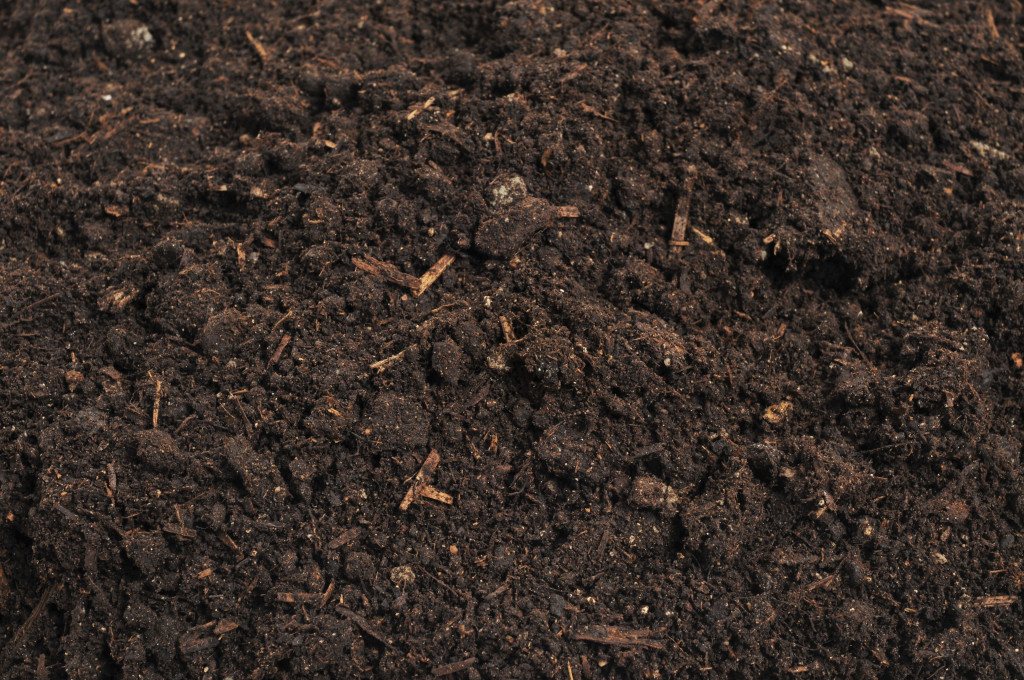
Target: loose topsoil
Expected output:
[786,444]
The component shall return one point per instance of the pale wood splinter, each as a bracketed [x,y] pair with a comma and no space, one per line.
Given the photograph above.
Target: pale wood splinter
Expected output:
[421,487]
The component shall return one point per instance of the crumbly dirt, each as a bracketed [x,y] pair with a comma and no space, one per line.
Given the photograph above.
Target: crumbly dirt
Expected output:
[788,447]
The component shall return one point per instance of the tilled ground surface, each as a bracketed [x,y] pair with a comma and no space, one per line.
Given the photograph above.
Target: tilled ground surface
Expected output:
[787,445]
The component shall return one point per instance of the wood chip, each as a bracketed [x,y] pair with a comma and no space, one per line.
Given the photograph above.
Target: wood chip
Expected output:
[418,286]
[620,637]
[436,495]
[365,626]
[506,328]
[420,484]
[420,109]
[346,537]
[279,351]
[681,222]
[450,668]
[776,413]
[298,598]
[205,636]
[384,363]
[180,531]
[433,274]
[996,600]
[375,267]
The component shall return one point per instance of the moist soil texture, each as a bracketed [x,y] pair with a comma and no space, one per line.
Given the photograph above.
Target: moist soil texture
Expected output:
[511,340]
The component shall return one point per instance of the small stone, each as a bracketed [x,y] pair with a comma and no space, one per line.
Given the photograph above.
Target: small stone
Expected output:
[652,493]
[402,576]
[505,191]
[127,38]
[776,413]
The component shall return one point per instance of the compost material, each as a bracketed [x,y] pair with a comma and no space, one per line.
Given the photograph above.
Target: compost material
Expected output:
[511,340]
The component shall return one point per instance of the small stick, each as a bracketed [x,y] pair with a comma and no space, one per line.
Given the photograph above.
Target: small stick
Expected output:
[420,480]
[567,211]
[996,600]
[346,537]
[450,668]
[293,598]
[30,622]
[261,51]
[156,404]
[418,286]
[326,596]
[111,478]
[682,218]
[433,274]
[435,494]
[384,363]
[183,424]
[619,637]
[29,308]
[703,237]
[420,109]
[372,265]
[282,320]
[279,351]
[506,328]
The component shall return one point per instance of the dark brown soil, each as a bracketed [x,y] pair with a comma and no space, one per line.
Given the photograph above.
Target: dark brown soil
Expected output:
[789,447]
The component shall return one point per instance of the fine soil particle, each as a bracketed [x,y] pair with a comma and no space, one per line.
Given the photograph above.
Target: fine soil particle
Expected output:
[786,444]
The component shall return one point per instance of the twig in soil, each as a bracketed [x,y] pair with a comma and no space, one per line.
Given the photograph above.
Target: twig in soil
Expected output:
[451,668]
[183,424]
[261,51]
[282,320]
[418,286]
[375,267]
[279,351]
[365,626]
[21,315]
[433,274]
[620,637]
[855,345]
[5,589]
[682,218]
[565,211]
[345,538]
[420,109]
[506,328]
[156,404]
[421,487]
[996,600]
[299,598]
[384,363]
[703,237]
[11,649]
